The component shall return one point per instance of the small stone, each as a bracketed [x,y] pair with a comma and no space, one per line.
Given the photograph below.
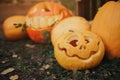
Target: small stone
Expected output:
[46,66]
[19,57]
[42,69]
[14,55]
[53,76]
[5,60]
[93,72]
[48,73]
[30,46]
[105,75]
[33,79]
[87,71]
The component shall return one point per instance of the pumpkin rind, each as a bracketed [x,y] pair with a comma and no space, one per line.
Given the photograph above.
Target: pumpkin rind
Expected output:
[85,54]
[38,35]
[74,23]
[107,25]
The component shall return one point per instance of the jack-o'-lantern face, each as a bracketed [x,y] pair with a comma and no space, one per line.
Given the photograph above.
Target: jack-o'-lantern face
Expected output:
[42,17]
[79,50]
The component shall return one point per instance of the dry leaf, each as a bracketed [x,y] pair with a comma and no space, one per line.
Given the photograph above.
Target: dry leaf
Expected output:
[14,77]
[6,71]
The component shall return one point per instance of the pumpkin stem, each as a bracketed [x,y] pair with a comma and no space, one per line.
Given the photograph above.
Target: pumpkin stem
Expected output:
[74,74]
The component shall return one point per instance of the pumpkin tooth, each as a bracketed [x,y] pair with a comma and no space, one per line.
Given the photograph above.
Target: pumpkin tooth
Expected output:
[42,21]
[36,22]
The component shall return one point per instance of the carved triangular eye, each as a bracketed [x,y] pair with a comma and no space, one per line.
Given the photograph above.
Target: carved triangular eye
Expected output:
[73,43]
[87,41]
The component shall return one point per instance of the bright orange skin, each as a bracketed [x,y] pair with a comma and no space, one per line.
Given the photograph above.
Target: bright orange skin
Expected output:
[107,25]
[10,31]
[38,10]
[35,34]
[79,55]
[54,9]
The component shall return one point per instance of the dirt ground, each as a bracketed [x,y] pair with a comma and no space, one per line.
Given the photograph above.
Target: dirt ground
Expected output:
[26,60]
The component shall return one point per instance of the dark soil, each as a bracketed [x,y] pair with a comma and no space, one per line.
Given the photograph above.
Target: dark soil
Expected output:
[33,61]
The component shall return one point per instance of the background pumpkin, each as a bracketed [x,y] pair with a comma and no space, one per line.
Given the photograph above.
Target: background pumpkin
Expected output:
[107,24]
[13,27]
[79,50]
[43,16]
[73,23]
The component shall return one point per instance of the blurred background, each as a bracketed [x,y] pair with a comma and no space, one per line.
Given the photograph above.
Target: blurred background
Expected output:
[85,8]
[21,7]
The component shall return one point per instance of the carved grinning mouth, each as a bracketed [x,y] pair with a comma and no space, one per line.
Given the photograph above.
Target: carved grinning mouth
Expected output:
[75,55]
[38,22]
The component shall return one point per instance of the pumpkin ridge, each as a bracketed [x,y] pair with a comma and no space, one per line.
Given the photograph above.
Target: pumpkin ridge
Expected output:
[106,24]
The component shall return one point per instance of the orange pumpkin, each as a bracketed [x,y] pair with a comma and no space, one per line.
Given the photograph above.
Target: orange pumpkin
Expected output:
[42,17]
[107,25]
[74,23]
[79,50]
[13,27]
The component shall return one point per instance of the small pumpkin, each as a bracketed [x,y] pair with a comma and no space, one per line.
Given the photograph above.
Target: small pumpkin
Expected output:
[74,23]
[14,27]
[79,50]
[42,17]
[107,25]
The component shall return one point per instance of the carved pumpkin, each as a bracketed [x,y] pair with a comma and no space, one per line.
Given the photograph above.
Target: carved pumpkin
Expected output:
[79,50]
[42,17]
[74,23]
[107,25]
